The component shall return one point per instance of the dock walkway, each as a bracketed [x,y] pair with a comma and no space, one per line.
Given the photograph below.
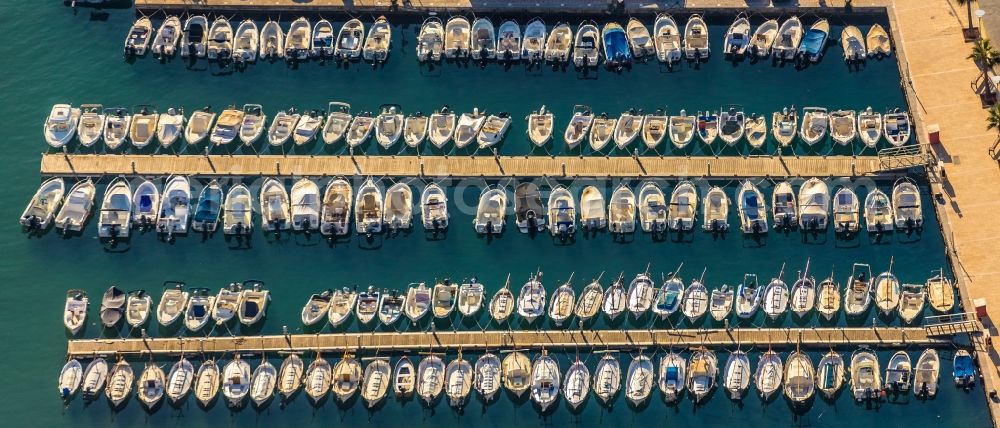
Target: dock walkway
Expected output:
[896,337]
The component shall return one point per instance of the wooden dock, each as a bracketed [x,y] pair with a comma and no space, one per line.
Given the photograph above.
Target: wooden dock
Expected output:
[480,340]
[463,166]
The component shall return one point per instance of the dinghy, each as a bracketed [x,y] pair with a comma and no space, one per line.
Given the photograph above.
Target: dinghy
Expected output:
[305,207]
[654,128]
[784,126]
[444,297]
[430,40]
[418,302]
[346,378]
[298,40]
[545,381]
[877,42]
[179,380]
[137,308]
[470,297]
[434,207]
[815,122]
[769,374]
[533,46]
[672,376]
[682,128]
[198,126]
[138,38]
[502,305]
[887,291]
[169,126]
[639,39]
[274,211]
[460,377]
[845,211]
[206,214]
[911,301]
[869,127]
[253,302]
[615,43]
[228,126]
[415,129]
[800,379]
[708,127]
[493,130]
[866,382]
[252,124]
[173,303]
[557,48]
[621,210]
[404,380]
[748,295]
[906,204]
[561,212]
[763,38]
[368,303]
[430,378]
[577,384]
[641,292]
[695,300]
[776,296]
[615,299]
[441,127]
[589,303]
[896,126]
[319,375]
[272,40]
[44,204]
[828,298]
[483,40]
[756,130]
[940,292]
[491,211]
[75,311]
[61,125]
[601,131]
[457,37]
[607,378]
[702,370]
[207,381]
[220,39]
[696,44]
[246,41]
[335,214]
[194,38]
[90,128]
[120,384]
[683,207]
[814,41]
[842,126]
[786,44]
[540,123]
[926,373]
[531,300]
[379,41]
[117,124]
[350,40]
[858,295]
[878,212]
[290,376]
[586,45]
[830,374]
[112,306]
[199,309]
[238,218]
[468,127]
[592,213]
[368,208]
[361,127]
[375,382]
[737,37]
[736,377]
[563,302]
[752,209]
[236,382]
[667,38]
[94,377]
[731,124]
[853,44]
[814,205]
[167,37]
[628,127]
[70,378]
[341,306]
[721,302]
[640,379]
[388,125]
[652,208]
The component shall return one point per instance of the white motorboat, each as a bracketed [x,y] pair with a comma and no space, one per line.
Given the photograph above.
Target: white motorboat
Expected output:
[338,121]
[236,382]
[368,208]
[70,378]
[906,204]
[170,126]
[238,211]
[702,369]
[800,378]
[493,130]
[708,127]
[375,381]
[418,302]
[198,126]
[845,211]
[540,124]
[305,207]
[44,204]
[732,121]
[308,125]
[940,292]
[246,41]
[468,127]
[321,43]
[715,211]
[491,211]
[814,205]
[369,302]
[912,299]
[748,295]
[667,38]
[75,311]
[592,213]
[607,378]
[672,381]
[272,40]
[870,127]
[752,209]
[579,125]
[415,129]
[441,127]
[628,127]
[199,309]
[173,303]
[398,207]
[858,294]
[274,210]
[138,306]
[815,122]
[194,38]
[253,302]
[434,207]
[696,45]
[736,378]
[561,212]
[738,37]
[179,380]
[531,300]
[601,131]
[509,41]
[470,297]
[388,125]
[207,381]
[90,128]
[682,129]
[586,45]
[926,374]
[298,40]
[459,377]
[167,37]
[142,131]
[341,306]
[115,219]
[483,40]
[853,43]
[545,381]
[640,379]
[430,41]
[457,37]
[361,127]
[533,45]
[621,210]
[138,38]
[652,208]
[784,126]
[228,127]
[316,308]
[60,126]
[721,302]
[404,378]
[430,378]
[76,209]
[866,381]
[220,39]
[683,207]
[878,212]
[117,124]
[558,45]
[769,374]
[175,207]
[763,38]
[335,215]
[654,128]
[830,374]
[251,126]
[786,43]
[877,42]
[843,126]
[639,39]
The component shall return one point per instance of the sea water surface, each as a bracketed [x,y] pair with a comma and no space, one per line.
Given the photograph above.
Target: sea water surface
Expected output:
[78,60]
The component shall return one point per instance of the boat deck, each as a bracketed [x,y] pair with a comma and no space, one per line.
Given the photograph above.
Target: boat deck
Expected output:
[463,166]
[895,337]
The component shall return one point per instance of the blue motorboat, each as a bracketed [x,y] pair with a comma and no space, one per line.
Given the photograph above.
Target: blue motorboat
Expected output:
[616,50]
[206,215]
[814,41]
[964,370]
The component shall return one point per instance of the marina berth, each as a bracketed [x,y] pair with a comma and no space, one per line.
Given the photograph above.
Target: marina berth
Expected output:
[748,295]
[75,311]
[842,126]
[587,45]
[274,211]
[434,208]
[639,39]
[752,209]
[169,127]
[90,128]
[640,379]
[756,130]
[305,206]
[708,127]
[444,298]
[702,370]
[167,37]
[76,209]
[561,212]
[210,203]
[896,126]
[430,40]
[335,214]
[696,44]
[858,294]
[906,205]
[94,378]
[590,301]
[926,374]
[350,40]
[531,300]
[272,41]
[368,208]
[220,39]
[877,42]
[227,128]
[516,373]
[194,38]
[731,124]
[470,297]
[430,378]
[853,43]
[43,205]
[236,382]
[290,376]
[491,211]
[238,212]
[737,375]
[533,45]
[621,210]
[540,124]
[252,125]
[682,127]
[940,292]
[616,51]
[262,383]
[683,207]
[414,129]
[375,382]
[379,41]
[199,309]
[672,380]
[207,382]
[173,303]
[654,128]
[814,41]
[398,207]
[138,38]
[493,130]
[468,127]
[483,40]
[721,302]
[246,41]
[814,204]
[503,305]
[615,299]
[800,378]
[120,381]
[763,38]
[737,37]
[878,212]
[769,374]
[441,127]
[601,132]
[61,125]
[198,126]
[346,378]
[652,208]
[342,305]
[869,127]
[457,37]
[828,298]
[830,374]
[404,378]
[558,46]
[298,40]
[138,305]
[815,122]
[545,381]
[784,126]
[667,38]
[577,384]
[117,124]
[151,385]
[563,302]
[786,44]
[459,377]
[307,127]
[318,378]
[592,213]
[866,381]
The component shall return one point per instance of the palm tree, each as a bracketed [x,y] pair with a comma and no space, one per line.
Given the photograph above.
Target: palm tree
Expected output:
[968,5]
[984,54]
[993,120]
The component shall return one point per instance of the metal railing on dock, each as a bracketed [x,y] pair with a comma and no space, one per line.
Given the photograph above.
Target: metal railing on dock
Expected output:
[952,324]
[499,339]
[905,157]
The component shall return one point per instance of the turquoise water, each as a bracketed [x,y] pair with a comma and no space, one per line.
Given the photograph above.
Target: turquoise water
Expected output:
[79,61]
